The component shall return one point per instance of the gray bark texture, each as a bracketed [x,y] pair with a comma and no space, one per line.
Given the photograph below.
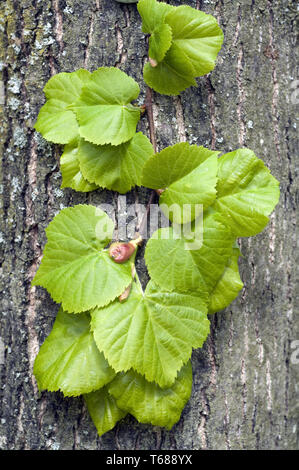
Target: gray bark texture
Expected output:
[246,377]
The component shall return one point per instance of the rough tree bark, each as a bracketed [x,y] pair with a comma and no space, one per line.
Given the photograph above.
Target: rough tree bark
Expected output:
[246,376]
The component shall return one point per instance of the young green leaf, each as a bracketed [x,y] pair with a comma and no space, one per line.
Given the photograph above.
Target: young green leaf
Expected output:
[246,192]
[69,359]
[152,332]
[150,403]
[228,286]
[76,269]
[153,14]
[115,167]
[56,121]
[188,173]
[104,110]
[160,42]
[175,265]
[70,170]
[171,76]
[173,163]
[197,35]
[103,410]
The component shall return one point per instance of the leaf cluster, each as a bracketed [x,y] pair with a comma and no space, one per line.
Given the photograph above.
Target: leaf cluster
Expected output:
[131,354]
[236,193]
[92,114]
[130,357]
[134,356]
[183,44]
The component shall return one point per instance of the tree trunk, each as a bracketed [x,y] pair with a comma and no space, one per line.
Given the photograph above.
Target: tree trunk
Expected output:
[245,377]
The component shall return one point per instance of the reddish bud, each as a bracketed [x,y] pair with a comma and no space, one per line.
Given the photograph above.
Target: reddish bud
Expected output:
[121,252]
[123,297]
[153,62]
[142,108]
[160,191]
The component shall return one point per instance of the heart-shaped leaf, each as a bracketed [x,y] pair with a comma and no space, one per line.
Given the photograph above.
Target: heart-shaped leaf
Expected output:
[69,359]
[150,403]
[104,110]
[56,121]
[76,269]
[179,263]
[246,192]
[197,35]
[152,332]
[188,173]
